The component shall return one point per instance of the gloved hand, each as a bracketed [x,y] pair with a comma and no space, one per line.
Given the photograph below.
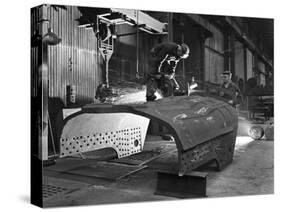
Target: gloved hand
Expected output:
[157,76]
[169,76]
[230,102]
[221,93]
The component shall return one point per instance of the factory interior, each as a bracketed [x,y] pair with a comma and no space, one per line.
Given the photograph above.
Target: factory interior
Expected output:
[101,142]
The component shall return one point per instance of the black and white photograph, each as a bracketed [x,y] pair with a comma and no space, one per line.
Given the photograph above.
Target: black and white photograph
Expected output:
[131,105]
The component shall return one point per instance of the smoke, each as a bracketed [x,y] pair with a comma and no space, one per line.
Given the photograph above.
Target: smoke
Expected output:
[244,126]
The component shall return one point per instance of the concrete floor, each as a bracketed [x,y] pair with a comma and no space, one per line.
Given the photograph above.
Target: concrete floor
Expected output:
[251,173]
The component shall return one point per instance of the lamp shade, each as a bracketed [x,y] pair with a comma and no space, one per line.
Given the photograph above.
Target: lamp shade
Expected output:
[51,38]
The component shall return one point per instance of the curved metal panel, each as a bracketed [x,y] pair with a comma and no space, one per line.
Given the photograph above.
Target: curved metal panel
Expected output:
[204,128]
[123,132]
[192,120]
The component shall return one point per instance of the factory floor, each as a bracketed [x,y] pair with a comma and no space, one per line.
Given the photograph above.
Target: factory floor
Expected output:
[94,178]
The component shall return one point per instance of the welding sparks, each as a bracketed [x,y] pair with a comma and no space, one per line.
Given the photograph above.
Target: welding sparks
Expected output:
[137,97]
[158,95]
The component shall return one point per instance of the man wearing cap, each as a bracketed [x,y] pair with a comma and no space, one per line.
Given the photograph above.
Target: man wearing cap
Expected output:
[234,95]
[163,61]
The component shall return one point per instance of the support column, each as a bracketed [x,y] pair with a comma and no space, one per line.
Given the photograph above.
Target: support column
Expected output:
[170,27]
[255,68]
[183,62]
[202,55]
[232,54]
[227,50]
[245,68]
[43,71]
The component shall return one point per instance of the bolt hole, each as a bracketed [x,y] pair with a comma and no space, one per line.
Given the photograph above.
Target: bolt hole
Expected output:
[136,142]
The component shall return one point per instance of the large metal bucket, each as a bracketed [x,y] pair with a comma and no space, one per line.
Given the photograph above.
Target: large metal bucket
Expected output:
[203,128]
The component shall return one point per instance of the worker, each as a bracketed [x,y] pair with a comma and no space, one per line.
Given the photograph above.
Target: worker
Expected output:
[163,61]
[234,96]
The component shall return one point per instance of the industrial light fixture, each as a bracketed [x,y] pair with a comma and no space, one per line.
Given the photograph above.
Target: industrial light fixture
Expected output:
[50,38]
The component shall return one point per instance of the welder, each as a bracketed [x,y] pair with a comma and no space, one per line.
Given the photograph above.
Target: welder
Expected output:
[163,61]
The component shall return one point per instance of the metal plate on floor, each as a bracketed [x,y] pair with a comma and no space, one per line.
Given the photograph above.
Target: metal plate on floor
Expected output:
[105,170]
[136,159]
[50,191]
[143,157]
[190,185]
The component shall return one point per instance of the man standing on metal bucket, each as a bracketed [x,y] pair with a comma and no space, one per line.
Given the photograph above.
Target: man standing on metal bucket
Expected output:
[163,61]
